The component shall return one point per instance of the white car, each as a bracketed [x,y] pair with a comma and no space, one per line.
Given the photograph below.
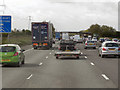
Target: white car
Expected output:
[109,48]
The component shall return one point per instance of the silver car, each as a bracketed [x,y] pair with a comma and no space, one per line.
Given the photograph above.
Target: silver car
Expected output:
[90,44]
[109,48]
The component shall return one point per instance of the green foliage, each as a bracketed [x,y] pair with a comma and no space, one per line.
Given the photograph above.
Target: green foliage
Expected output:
[102,31]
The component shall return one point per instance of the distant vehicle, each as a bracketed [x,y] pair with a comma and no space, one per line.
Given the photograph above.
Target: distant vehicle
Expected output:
[90,44]
[94,39]
[89,37]
[115,39]
[12,54]
[65,36]
[42,35]
[76,38]
[101,40]
[109,48]
[57,35]
[80,40]
[67,48]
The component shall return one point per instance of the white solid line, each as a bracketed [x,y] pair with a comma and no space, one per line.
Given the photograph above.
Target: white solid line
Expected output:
[92,63]
[85,56]
[105,76]
[46,57]
[29,77]
[28,50]
[40,63]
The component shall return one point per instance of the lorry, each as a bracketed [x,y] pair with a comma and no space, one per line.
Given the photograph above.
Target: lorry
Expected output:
[67,48]
[42,36]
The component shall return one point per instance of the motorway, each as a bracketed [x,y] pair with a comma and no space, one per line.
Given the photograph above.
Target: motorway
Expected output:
[43,70]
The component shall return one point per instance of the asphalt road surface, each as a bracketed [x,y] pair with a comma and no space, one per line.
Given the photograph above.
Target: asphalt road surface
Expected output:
[43,70]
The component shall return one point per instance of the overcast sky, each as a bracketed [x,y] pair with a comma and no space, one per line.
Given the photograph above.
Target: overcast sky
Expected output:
[64,14]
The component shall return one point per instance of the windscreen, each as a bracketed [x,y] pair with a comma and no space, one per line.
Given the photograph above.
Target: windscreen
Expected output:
[112,45]
[7,49]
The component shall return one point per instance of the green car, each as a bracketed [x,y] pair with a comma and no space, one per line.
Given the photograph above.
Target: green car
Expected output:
[11,54]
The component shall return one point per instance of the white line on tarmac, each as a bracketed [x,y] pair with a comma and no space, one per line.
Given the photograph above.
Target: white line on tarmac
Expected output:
[50,53]
[46,57]
[40,64]
[92,64]
[105,76]
[81,53]
[29,77]
[28,50]
[86,57]
[1,65]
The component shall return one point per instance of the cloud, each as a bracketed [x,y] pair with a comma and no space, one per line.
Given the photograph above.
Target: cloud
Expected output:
[65,15]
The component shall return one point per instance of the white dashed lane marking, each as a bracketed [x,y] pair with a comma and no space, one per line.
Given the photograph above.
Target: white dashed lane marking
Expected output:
[46,57]
[104,76]
[92,64]
[86,57]
[28,50]
[29,77]
[40,64]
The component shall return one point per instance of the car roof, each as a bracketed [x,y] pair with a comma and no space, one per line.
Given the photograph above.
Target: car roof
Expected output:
[109,42]
[9,45]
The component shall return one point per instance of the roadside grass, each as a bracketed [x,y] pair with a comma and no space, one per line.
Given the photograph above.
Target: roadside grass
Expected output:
[20,39]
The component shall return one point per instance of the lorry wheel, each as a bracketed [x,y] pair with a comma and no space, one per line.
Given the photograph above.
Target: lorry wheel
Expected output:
[35,47]
[77,57]
[56,57]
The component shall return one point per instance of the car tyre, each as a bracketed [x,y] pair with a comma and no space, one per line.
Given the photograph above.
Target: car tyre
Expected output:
[94,48]
[23,62]
[19,64]
[35,47]
[102,56]
[85,47]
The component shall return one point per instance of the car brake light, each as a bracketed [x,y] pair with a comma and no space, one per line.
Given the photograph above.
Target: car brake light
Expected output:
[15,54]
[85,43]
[119,49]
[104,49]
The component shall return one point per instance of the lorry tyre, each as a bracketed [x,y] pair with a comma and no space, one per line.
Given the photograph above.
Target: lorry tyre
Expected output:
[56,57]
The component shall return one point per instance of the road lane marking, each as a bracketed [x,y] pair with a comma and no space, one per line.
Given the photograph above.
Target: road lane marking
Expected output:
[46,57]
[1,65]
[52,50]
[105,76]
[29,77]
[40,64]
[50,53]
[28,50]
[86,57]
[81,53]
[92,64]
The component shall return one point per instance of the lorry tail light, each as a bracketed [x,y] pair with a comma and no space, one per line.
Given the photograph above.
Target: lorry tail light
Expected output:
[35,44]
[104,49]
[15,54]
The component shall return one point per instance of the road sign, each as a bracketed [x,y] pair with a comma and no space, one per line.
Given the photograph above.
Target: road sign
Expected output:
[5,24]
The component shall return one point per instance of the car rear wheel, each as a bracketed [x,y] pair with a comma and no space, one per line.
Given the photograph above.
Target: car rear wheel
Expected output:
[77,57]
[56,57]
[19,64]
[35,47]
[85,47]
[102,56]
[23,62]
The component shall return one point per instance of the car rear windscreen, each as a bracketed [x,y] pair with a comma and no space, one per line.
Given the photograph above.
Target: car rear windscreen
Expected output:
[7,49]
[111,45]
[90,42]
